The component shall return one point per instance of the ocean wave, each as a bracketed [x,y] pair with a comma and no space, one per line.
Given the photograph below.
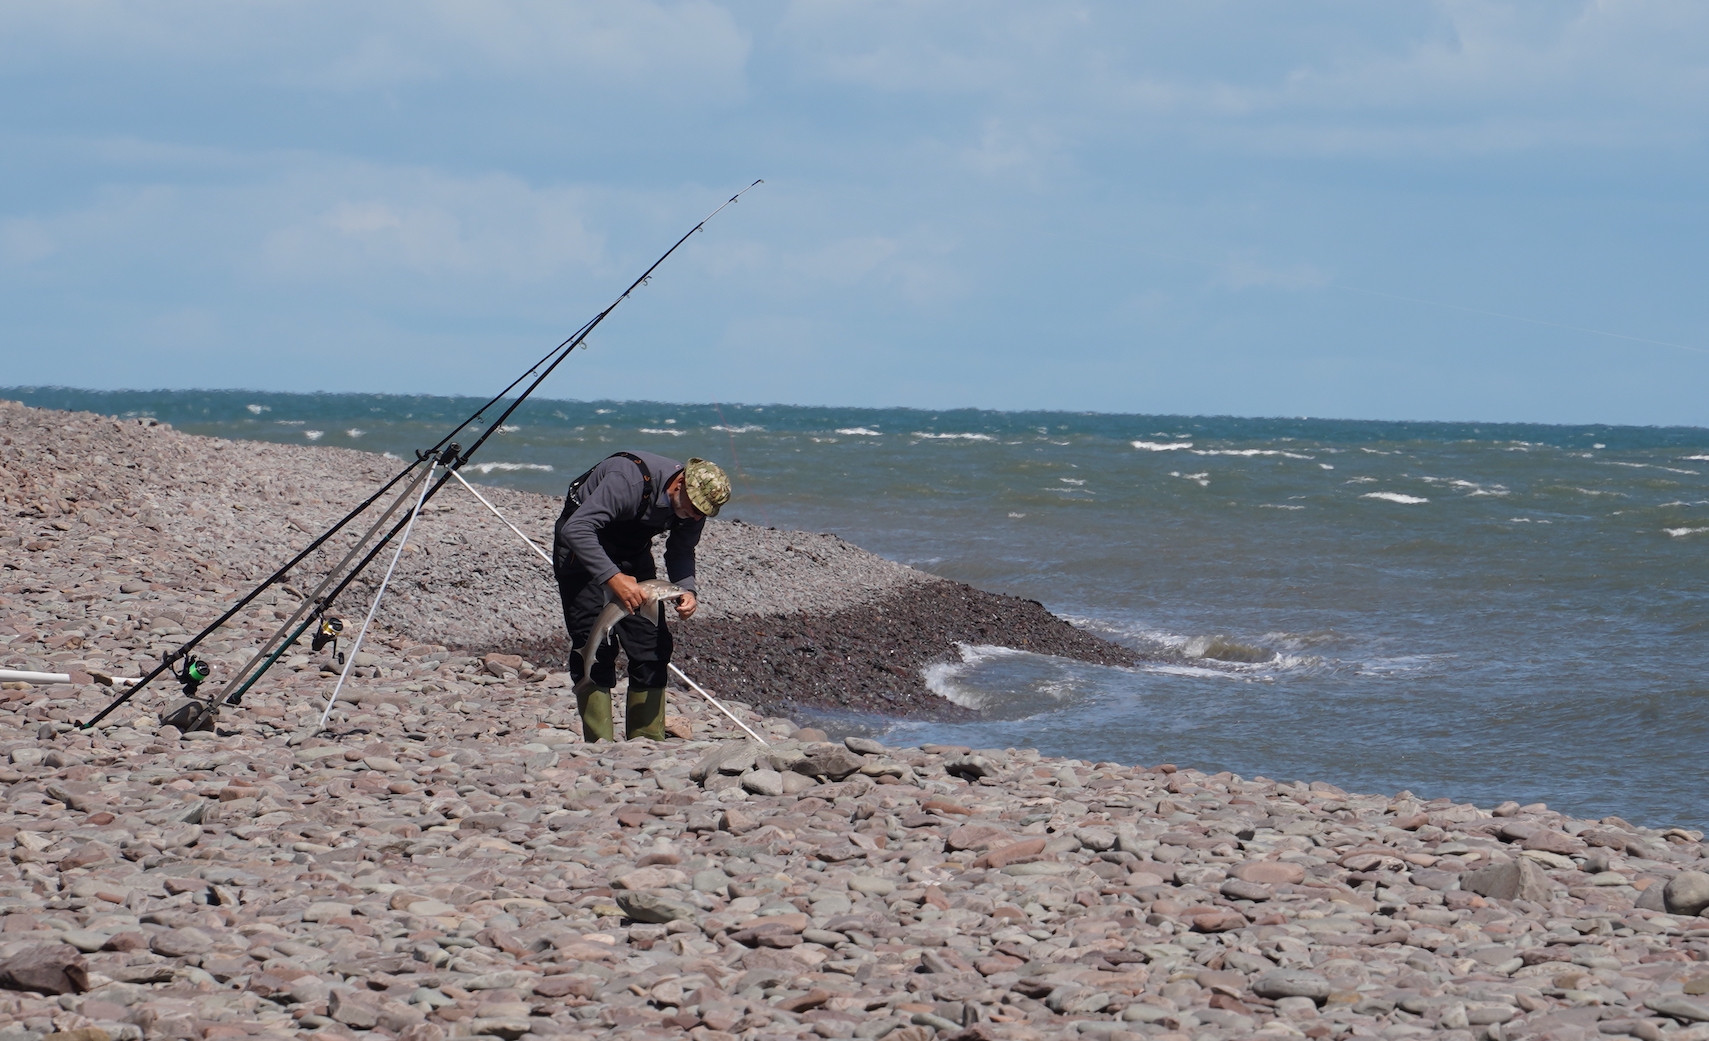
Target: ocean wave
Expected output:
[662,430]
[1279,506]
[314,435]
[1203,480]
[1680,533]
[487,468]
[745,428]
[1248,452]
[859,432]
[507,428]
[941,677]
[1409,500]
[1653,466]
[1695,458]
[258,409]
[953,437]
[354,433]
[1076,481]
[1471,488]
[1160,446]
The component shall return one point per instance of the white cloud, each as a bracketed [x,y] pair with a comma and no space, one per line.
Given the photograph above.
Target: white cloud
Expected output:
[642,45]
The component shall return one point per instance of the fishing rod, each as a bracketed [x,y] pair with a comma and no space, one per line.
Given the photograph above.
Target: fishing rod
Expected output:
[193,671]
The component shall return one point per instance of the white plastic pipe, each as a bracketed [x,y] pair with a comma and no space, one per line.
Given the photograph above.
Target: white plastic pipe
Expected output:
[41,678]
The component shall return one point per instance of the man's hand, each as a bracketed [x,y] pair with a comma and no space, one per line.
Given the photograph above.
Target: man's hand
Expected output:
[685,607]
[627,591]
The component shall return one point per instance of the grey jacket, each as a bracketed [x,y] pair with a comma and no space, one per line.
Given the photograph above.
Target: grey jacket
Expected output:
[612,525]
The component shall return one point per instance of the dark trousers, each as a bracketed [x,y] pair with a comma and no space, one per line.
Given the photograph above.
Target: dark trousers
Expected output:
[647,646]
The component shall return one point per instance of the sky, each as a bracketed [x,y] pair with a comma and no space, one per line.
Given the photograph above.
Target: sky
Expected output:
[1419,209]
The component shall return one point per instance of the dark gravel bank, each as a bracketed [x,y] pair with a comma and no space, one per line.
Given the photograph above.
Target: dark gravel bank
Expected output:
[867,658]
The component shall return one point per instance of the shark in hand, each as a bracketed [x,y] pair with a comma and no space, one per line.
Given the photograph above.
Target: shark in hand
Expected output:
[657,591]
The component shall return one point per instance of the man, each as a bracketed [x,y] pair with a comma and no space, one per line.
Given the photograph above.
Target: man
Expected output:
[603,549]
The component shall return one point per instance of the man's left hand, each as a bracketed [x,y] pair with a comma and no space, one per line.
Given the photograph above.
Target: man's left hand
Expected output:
[685,606]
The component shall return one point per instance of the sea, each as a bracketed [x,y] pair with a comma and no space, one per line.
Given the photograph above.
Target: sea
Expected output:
[1476,611]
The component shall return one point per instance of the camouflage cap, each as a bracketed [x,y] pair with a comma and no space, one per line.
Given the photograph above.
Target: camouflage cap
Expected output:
[707,486]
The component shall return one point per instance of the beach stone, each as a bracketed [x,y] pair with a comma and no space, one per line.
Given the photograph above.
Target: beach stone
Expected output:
[864,746]
[1292,983]
[1269,872]
[47,969]
[833,764]
[1680,1007]
[326,910]
[1687,893]
[970,767]
[976,837]
[653,877]
[1096,839]
[763,782]
[1240,889]
[1509,880]
[875,885]
[654,907]
[1547,840]
[1002,856]
[181,943]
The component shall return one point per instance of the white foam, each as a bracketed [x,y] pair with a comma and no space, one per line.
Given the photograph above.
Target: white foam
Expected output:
[941,677]
[1325,466]
[1654,466]
[508,427]
[1161,446]
[1409,500]
[258,409]
[953,437]
[314,435]
[1278,506]
[745,428]
[487,468]
[1077,482]
[660,430]
[1016,516]
[1203,480]
[1680,533]
[354,433]
[1248,452]
[859,432]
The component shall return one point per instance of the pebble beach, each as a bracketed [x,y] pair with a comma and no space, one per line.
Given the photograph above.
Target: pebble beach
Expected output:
[449,859]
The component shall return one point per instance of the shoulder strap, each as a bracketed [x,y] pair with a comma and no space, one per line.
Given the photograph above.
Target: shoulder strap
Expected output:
[646,478]
[573,499]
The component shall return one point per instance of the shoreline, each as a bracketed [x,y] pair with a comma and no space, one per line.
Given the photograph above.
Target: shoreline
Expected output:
[450,860]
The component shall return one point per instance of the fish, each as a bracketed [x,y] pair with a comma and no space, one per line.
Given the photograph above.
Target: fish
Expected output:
[657,591]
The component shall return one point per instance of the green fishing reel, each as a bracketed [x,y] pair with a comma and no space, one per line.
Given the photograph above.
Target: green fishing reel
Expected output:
[192,674]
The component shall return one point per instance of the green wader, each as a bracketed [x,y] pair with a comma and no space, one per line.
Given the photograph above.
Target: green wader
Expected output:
[595,710]
[645,716]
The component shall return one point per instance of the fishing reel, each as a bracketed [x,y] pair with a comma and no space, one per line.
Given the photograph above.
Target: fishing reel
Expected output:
[192,674]
[192,713]
[329,631]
